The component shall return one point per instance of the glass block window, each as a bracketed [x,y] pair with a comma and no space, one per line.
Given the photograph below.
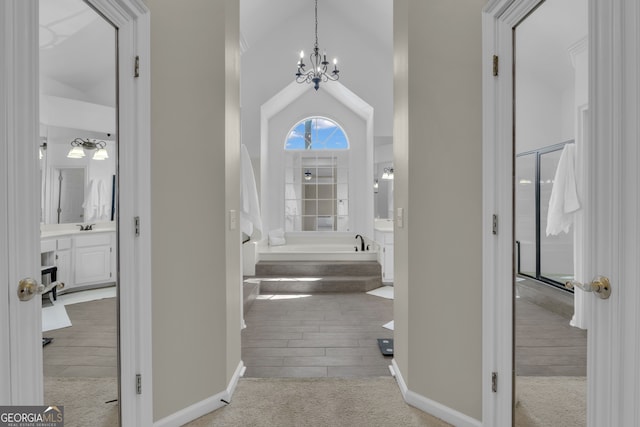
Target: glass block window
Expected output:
[316,192]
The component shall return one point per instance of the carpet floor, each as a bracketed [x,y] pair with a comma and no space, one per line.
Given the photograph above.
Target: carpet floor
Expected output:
[317,402]
[84,400]
[551,401]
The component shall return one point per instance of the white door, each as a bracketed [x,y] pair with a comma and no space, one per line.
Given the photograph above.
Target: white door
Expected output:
[612,240]
[21,374]
[20,326]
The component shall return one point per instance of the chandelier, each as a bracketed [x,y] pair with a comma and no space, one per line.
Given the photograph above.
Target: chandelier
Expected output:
[318,70]
[79,145]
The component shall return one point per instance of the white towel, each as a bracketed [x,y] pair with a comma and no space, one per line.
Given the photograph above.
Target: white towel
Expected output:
[250,219]
[97,201]
[564,197]
[91,203]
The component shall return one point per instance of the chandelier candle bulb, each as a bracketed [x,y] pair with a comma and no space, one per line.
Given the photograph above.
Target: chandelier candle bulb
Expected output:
[318,68]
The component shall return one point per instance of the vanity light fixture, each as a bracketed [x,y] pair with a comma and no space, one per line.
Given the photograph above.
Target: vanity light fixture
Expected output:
[318,70]
[79,145]
[387,173]
[375,186]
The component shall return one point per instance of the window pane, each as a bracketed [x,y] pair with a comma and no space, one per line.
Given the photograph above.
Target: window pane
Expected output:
[526,214]
[556,252]
[316,133]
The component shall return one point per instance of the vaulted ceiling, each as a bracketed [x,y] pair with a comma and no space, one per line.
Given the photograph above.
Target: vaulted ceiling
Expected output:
[79,50]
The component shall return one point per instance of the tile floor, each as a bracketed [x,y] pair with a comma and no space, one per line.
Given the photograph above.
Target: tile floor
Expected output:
[316,335]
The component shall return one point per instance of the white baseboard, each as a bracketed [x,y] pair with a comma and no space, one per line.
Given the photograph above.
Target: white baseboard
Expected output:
[203,407]
[432,407]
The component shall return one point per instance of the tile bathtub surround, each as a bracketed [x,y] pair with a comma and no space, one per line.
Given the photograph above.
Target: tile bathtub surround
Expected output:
[316,335]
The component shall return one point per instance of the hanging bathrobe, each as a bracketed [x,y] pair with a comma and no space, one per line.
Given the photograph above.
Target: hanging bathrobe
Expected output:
[250,219]
[563,202]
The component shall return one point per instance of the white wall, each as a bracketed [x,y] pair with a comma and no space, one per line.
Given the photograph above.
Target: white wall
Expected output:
[320,103]
[196,258]
[438,183]
[270,65]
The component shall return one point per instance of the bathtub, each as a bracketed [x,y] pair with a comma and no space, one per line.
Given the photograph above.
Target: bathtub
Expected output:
[340,247]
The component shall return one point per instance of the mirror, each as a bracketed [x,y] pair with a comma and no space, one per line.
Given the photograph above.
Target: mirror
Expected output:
[383,194]
[76,190]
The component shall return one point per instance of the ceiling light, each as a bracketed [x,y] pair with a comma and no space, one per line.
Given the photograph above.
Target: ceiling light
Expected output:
[307,176]
[318,69]
[79,145]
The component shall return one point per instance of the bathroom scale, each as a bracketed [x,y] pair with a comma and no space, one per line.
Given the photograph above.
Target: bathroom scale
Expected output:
[386,346]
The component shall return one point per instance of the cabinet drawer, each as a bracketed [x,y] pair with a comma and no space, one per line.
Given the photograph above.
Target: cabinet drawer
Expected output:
[64,243]
[93,240]
[47,246]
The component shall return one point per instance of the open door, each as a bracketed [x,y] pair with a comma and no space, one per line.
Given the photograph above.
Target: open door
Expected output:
[21,359]
[21,375]
[611,242]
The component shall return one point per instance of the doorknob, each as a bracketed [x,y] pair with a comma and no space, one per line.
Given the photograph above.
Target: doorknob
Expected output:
[600,286]
[27,288]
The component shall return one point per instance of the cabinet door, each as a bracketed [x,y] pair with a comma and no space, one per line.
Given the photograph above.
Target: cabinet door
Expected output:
[93,265]
[387,266]
[63,262]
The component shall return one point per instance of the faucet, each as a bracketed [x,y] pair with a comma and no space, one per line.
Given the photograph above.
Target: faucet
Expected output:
[361,242]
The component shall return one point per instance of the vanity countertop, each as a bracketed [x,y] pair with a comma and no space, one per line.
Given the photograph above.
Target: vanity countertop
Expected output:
[57,230]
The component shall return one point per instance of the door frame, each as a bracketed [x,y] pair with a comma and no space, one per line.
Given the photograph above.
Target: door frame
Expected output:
[19,90]
[611,191]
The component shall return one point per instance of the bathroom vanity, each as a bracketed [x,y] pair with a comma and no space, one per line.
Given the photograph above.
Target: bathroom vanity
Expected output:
[383,235]
[83,258]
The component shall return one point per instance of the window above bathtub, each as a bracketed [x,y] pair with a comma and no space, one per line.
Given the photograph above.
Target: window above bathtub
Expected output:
[316,133]
[316,177]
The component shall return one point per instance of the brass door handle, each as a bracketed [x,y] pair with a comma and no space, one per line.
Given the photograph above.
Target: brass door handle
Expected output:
[599,286]
[27,288]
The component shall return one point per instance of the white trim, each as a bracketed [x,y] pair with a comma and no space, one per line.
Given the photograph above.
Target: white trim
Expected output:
[432,407]
[498,19]
[131,17]
[280,101]
[203,407]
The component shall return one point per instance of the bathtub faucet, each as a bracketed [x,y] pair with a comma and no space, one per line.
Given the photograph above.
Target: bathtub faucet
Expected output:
[361,242]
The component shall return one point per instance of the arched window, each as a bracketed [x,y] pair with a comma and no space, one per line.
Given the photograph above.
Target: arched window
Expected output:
[316,133]
[316,177]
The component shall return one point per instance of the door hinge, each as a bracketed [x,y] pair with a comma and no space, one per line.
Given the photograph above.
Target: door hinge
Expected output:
[136,67]
[138,383]
[495,224]
[496,62]
[494,382]
[137,226]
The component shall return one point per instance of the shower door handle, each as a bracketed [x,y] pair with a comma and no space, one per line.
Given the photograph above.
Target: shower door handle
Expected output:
[601,286]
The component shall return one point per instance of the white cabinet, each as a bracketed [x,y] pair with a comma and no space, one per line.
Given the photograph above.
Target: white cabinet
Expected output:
[82,259]
[92,259]
[63,261]
[385,245]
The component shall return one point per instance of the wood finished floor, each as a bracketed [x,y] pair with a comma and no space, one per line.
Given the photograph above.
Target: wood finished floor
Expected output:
[88,348]
[317,335]
[546,345]
[314,336]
